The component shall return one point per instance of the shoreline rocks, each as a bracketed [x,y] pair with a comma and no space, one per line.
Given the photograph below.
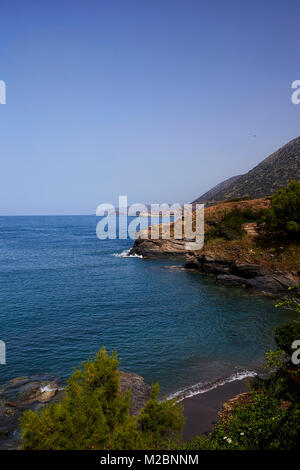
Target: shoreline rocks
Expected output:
[140,390]
[229,407]
[158,249]
[21,394]
[227,273]
[234,274]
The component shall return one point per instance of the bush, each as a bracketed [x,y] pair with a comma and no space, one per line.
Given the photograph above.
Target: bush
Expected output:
[95,415]
[293,301]
[284,211]
[231,224]
[262,425]
[285,335]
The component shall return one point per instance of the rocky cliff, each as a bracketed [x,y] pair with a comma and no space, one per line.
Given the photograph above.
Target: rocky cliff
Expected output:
[251,261]
[234,274]
[159,248]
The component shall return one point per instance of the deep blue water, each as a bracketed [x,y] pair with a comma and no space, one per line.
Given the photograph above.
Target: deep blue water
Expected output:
[63,294]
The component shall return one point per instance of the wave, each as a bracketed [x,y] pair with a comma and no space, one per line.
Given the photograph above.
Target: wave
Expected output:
[199,388]
[48,388]
[125,254]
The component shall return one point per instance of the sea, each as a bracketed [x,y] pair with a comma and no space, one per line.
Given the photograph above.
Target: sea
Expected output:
[64,294]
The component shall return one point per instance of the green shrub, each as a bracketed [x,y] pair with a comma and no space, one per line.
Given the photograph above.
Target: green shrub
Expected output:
[231,224]
[95,415]
[284,211]
[261,425]
[293,301]
[285,335]
[161,421]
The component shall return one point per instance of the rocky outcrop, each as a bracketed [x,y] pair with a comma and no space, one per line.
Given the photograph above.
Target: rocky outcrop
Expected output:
[159,248]
[249,259]
[227,273]
[140,391]
[228,409]
[19,395]
[24,393]
[229,280]
[233,274]
[207,264]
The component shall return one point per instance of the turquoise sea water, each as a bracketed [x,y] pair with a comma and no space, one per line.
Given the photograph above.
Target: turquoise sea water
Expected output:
[64,294]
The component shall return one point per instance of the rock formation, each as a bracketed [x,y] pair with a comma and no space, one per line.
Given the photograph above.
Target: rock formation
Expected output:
[235,274]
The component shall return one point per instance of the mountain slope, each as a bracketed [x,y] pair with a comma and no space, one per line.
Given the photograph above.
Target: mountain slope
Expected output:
[209,195]
[271,174]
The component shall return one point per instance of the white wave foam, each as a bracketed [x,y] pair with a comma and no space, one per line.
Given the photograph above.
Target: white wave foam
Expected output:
[199,388]
[125,254]
[48,388]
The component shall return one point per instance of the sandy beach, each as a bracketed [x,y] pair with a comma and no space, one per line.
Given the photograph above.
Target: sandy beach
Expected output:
[201,411]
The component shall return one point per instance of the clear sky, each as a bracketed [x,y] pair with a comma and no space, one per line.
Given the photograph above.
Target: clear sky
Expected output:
[156,99]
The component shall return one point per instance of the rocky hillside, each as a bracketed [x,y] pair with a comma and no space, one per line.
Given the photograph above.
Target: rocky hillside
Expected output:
[212,193]
[271,174]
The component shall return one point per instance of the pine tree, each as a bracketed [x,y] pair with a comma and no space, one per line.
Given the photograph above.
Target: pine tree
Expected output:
[95,415]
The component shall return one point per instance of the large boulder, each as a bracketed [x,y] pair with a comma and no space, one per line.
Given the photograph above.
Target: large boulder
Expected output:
[159,248]
[207,264]
[271,284]
[140,391]
[228,409]
[234,274]
[248,271]
[229,280]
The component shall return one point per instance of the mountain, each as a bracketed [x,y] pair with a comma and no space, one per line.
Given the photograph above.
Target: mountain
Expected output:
[271,174]
[210,195]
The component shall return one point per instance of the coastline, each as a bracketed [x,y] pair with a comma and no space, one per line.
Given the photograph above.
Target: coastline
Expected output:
[201,411]
[249,258]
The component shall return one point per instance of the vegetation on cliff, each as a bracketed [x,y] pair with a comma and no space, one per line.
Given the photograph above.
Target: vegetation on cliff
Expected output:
[263,231]
[284,212]
[279,215]
[248,231]
[231,224]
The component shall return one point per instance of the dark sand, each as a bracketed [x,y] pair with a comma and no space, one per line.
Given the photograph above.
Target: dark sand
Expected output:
[201,411]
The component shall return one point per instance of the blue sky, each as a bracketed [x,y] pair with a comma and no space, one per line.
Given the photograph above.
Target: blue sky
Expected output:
[156,99]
